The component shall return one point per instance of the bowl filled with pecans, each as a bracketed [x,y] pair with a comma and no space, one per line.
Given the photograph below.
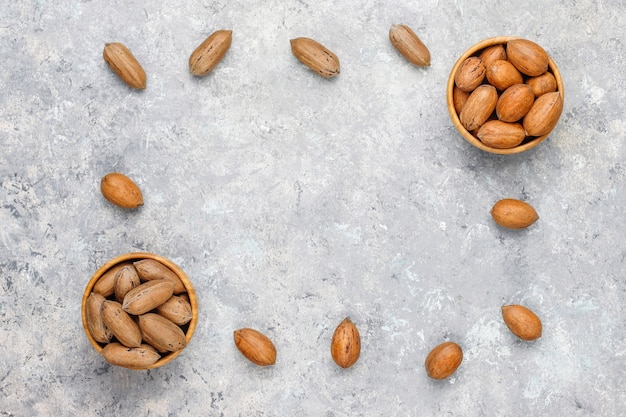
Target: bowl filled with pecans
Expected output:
[505,95]
[139,310]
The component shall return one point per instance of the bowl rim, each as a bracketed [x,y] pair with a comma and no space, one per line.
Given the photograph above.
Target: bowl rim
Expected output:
[496,40]
[191,292]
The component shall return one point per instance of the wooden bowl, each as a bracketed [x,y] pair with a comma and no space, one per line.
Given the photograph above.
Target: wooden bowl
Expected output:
[188,329]
[529,142]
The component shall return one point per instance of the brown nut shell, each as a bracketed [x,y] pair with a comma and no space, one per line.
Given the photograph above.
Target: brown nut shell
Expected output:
[316,56]
[544,114]
[345,347]
[255,346]
[176,309]
[478,107]
[515,102]
[160,333]
[138,358]
[120,190]
[106,283]
[409,45]
[527,56]
[501,135]
[150,269]
[470,74]
[492,53]
[443,360]
[210,52]
[502,74]
[125,280]
[513,214]
[147,296]
[121,324]
[522,322]
[95,323]
[124,64]
[459,98]
[542,84]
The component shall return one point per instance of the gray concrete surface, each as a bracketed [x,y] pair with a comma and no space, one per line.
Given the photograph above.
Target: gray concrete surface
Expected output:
[293,201]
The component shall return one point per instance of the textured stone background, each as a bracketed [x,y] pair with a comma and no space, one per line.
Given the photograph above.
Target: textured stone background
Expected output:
[293,201]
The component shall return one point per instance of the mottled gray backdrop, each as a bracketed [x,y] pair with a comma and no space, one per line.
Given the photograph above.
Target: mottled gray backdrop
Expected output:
[294,201]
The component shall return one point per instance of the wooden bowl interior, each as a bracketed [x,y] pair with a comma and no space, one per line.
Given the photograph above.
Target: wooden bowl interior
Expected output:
[455,117]
[189,328]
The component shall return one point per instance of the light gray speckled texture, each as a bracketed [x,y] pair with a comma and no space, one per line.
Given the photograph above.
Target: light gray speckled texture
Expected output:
[293,201]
